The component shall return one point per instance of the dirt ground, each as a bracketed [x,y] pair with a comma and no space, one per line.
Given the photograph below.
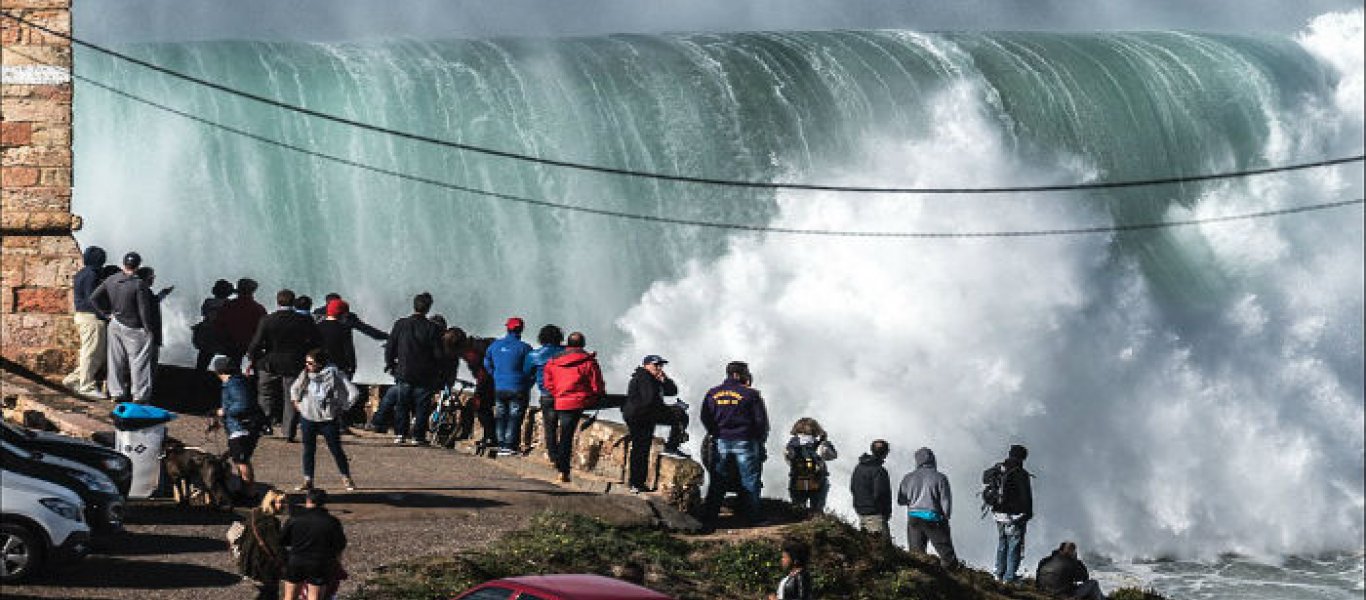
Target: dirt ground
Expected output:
[411,502]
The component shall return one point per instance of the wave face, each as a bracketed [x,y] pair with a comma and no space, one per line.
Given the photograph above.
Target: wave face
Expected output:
[1184,393]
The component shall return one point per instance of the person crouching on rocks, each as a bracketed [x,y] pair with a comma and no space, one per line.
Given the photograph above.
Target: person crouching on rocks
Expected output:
[806,452]
[1063,574]
[320,393]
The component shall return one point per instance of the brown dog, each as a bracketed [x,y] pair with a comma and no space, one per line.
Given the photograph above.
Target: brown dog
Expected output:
[194,472]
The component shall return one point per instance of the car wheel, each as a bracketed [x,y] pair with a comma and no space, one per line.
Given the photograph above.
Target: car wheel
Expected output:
[21,553]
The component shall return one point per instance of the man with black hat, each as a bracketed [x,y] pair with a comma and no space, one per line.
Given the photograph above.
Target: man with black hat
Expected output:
[644,409]
[130,305]
[1012,512]
[734,415]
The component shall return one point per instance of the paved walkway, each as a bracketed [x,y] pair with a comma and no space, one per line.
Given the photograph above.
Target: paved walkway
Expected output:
[411,502]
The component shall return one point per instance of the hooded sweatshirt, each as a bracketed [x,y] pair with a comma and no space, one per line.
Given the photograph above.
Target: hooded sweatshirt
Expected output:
[871,487]
[128,300]
[925,491]
[324,395]
[87,279]
[574,379]
[506,360]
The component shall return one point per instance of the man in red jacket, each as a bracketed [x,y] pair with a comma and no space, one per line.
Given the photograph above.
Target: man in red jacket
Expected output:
[574,379]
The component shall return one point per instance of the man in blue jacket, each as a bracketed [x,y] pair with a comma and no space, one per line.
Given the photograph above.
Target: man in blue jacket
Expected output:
[506,361]
[734,415]
[91,325]
[552,344]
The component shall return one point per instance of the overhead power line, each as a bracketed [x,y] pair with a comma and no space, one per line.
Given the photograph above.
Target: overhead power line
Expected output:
[1100,229]
[766,185]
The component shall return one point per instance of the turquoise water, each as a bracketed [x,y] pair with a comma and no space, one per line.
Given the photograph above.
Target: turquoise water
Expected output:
[1180,390]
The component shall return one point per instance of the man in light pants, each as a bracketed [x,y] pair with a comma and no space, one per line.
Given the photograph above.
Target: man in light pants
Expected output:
[90,324]
[129,303]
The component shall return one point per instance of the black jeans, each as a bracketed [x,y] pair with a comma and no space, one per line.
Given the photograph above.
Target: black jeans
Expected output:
[919,532]
[550,423]
[272,393]
[415,407]
[564,448]
[642,432]
[331,433]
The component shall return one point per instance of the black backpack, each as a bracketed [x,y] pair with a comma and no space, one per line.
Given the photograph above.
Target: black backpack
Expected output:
[808,470]
[993,488]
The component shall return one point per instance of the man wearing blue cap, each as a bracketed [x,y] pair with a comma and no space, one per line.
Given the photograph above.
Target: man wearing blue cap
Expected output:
[644,409]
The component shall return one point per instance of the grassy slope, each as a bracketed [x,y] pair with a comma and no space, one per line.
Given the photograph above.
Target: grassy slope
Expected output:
[846,564]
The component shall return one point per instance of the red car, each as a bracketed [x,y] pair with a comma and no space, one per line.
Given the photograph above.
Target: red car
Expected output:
[560,587]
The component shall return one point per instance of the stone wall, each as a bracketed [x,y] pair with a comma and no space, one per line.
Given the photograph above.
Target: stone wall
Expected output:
[38,255]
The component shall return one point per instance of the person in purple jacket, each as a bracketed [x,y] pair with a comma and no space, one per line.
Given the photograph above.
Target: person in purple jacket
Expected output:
[734,415]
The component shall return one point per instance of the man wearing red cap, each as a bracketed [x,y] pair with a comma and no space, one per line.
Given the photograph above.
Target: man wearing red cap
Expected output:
[512,386]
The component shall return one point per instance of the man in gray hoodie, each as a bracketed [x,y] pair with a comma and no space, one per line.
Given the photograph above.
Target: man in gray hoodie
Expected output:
[929,503]
[131,356]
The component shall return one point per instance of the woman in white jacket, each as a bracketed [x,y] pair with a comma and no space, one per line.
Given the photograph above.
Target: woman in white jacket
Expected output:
[320,394]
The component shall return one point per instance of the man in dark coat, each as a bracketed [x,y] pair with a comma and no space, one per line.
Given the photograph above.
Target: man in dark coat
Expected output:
[315,540]
[872,490]
[1063,574]
[276,353]
[734,415]
[644,409]
[91,325]
[1012,514]
[412,355]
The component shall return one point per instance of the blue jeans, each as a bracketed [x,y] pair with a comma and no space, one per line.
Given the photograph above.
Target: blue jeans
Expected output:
[385,413]
[508,409]
[413,409]
[331,433]
[1010,540]
[746,458]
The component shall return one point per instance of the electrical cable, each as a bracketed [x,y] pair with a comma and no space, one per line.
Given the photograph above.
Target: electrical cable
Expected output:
[713,224]
[677,178]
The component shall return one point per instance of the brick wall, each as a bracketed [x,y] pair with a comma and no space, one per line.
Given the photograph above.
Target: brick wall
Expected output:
[38,254]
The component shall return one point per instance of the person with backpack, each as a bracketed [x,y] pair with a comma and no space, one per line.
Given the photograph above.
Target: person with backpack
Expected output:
[1063,574]
[872,490]
[260,556]
[808,478]
[928,499]
[242,418]
[1006,493]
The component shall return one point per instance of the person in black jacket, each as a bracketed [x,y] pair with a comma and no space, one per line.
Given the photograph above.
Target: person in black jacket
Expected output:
[131,356]
[412,355]
[1063,574]
[872,490]
[796,585]
[1012,514]
[277,354]
[644,409]
[315,540]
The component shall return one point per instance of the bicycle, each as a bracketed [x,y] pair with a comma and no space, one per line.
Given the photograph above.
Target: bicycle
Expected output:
[444,423]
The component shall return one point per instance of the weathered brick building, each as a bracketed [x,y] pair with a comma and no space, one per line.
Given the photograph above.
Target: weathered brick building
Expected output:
[38,254]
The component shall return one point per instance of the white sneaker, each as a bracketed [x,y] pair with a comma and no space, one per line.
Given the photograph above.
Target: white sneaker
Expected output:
[400,440]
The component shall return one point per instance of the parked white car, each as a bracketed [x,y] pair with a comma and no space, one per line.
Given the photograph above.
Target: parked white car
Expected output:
[41,524]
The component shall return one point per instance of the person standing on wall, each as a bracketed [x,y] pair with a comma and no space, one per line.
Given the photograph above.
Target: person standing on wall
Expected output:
[1011,507]
[928,500]
[90,324]
[412,356]
[644,409]
[551,339]
[239,319]
[872,490]
[276,354]
[130,355]
[574,379]
[734,415]
[506,359]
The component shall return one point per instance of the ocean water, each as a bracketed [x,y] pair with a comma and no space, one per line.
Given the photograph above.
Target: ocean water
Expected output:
[1192,394]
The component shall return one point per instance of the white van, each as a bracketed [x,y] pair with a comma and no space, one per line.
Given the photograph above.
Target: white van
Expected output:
[41,523]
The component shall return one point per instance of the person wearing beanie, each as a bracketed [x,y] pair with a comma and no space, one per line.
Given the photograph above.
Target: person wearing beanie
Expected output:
[336,336]
[506,360]
[90,323]
[133,314]
[928,499]
[1012,513]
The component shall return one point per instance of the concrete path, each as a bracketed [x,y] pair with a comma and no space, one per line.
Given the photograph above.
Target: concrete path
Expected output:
[411,502]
